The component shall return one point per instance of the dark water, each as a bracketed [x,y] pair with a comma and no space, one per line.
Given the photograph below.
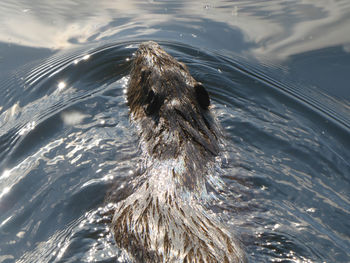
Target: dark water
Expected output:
[278,75]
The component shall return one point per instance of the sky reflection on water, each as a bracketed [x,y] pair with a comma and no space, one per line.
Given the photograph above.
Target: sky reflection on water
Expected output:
[279,34]
[272,28]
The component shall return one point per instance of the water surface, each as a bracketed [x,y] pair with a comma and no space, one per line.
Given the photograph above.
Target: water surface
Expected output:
[277,75]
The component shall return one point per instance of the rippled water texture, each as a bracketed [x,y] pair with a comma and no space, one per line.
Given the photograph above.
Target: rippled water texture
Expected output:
[277,73]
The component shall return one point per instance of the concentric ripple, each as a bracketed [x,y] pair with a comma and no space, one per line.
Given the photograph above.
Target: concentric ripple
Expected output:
[66,144]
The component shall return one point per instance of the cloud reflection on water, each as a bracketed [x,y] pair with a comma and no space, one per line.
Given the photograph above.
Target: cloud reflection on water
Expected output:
[273,28]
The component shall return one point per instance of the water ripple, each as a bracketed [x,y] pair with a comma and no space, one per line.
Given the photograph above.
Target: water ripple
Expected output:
[67,142]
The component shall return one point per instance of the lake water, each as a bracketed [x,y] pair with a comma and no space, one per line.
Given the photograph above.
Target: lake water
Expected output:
[278,76]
